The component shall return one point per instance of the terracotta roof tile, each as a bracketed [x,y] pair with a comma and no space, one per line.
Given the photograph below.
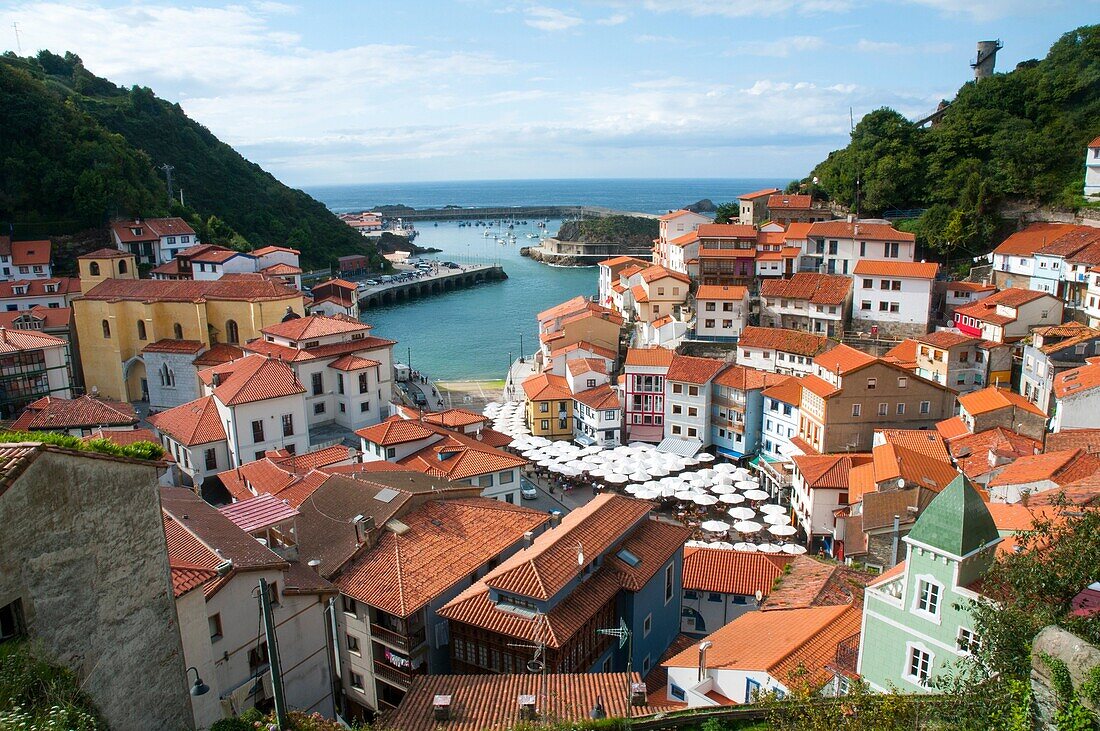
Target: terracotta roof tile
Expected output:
[971,451]
[250,379]
[599,398]
[986,309]
[654,356]
[264,250]
[455,418]
[818,386]
[723,293]
[352,363]
[445,542]
[727,231]
[688,369]
[788,391]
[195,422]
[168,345]
[569,306]
[904,354]
[823,289]
[49,318]
[828,471]
[51,413]
[952,428]
[925,441]
[218,354]
[893,462]
[150,229]
[1071,382]
[654,542]
[231,287]
[789,341]
[809,582]
[315,326]
[1032,238]
[258,512]
[759,194]
[731,572]
[1060,468]
[655,272]
[19,341]
[945,339]
[1086,439]
[106,253]
[910,269]
[396,430]
[547,386]
[457,456]
[791,202]
[37,287]
[993,399]
[844,359]
[578,366]
[860,231]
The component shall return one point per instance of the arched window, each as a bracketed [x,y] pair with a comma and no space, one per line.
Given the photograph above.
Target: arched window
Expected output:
[167,376]
[177,330]
[121,266]
[231,332]
[106,329]
[94,268]
[141,329]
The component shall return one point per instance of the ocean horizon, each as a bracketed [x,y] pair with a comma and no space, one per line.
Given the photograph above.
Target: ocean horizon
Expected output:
[641,195]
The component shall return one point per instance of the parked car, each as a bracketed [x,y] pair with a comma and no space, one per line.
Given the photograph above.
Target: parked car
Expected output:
[372,282]
[527,490]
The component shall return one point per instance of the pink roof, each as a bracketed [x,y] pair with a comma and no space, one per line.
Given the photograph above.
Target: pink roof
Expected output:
[258,512]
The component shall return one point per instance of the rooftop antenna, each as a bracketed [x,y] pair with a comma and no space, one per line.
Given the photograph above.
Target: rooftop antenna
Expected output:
[18,45]
[538,663]
[625,637]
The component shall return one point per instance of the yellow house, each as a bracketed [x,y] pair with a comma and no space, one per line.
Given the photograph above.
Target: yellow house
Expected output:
[117,318]
[105,264]
[549,406]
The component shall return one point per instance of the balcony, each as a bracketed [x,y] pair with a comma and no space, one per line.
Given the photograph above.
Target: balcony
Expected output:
[399,641]
[847,655]
[398,677]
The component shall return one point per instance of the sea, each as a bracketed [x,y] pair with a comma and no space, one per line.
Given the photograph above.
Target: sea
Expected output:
[475,333]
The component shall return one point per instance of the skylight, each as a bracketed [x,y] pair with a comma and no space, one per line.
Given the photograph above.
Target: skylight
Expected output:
[628,558]
[385,495]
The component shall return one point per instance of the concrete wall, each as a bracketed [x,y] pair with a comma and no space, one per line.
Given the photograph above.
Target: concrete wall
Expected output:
[84,552]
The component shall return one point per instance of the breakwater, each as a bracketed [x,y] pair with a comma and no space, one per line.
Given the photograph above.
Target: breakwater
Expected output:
[450,213]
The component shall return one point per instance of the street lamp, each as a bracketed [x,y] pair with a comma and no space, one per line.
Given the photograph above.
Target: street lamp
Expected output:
[198,687]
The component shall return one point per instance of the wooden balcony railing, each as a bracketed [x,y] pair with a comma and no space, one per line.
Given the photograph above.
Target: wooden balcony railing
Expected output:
[402,678]
[402,642]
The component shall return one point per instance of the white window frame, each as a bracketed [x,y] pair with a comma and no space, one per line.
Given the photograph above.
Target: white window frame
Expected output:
[941,593]
[910,647]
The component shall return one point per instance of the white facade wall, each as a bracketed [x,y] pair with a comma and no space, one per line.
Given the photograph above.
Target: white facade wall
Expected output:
[1092,299]
[681,225]
[1092,172]
[721,318]
[1017,266]
[376,452]
[585,381]
[814,507]
[10,272]
[733,684]
[26,302]
[839,256]
[1077,411]
[194,628]
[780,426]
[687,411]
[774,361]
[907,300]
[237,422]
[191,461]
[1036,313]
[602,427]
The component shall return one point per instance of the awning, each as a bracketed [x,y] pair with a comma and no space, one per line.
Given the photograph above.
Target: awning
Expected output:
[584,440]
[682,447]
[645,432]
[728,453]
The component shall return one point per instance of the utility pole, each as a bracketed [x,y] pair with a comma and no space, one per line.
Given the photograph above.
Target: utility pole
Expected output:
[18,45]
[168,175]
[273,656]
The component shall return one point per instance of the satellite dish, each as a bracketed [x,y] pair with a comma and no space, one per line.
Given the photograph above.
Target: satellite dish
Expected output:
[534,666]
[901,483]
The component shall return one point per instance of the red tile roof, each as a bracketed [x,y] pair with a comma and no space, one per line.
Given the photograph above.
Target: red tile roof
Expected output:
[828,471]
[820,289]
[790,202]
[724,293]
[455,418]
[599,350]
[200,565]
[1074,381]
[49,318]
[565,308]
[904,354]
[652,356]
[352,363]
[51,413]
[818,386]
[672,215]
[315,326]
[459,457]
[150,229]
[797,231]
[731,572]
[106,253]
[231,287]
[217,255]
[18,341]
[250,379]
[37,287]
[31,253]
[655,272]
[727,231]
[788,341]
[218,354]
[396,430]
[759,194]
[861,230]
[445,541]
[688,369]
[986,309]
[192,423]
[258,512]
[547,386]
[970,287]
[992,399]
[893,462]
[925,441]
[945,339]
[616,261]
[952,428]
[169,345]
[788,391]
[844,359]
[910,269]
[599,398]
[281,269]
[263,251]
[1060,468]
[541,570]
[578,366]
[1086,439]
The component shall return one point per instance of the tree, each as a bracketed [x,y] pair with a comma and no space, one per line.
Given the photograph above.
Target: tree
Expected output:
[728,212]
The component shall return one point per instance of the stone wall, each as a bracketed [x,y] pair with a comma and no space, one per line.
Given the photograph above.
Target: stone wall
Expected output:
[1079,657]
[84,554]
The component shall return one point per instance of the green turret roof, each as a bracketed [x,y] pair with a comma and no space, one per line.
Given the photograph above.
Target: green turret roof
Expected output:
[956,521]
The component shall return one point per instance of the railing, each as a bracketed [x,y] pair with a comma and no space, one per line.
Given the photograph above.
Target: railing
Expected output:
[396,639]
[847,654]
[396,676]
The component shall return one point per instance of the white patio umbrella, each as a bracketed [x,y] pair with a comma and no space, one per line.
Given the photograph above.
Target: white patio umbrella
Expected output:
[756,495]
[723,489]
[685,495]
[623,449]
[772,509]
[656,470]
[747,484]
[689,461]
[724,468]
[708,474]
[601,472]
[731,498]
[777,519]
[647,494]
[794,549]
[696,544]
[741,513]
[569,471]
[546,462]
[578,464]
[591,450]
[704,457]
[639,445]
[748,547]
[616,478]
[747,526]
[724,545]
[782,530]
[715,526]
[725,480]
[768,548]
[633,489]
[704,499]
[639,476]
[558,467]
[669,490]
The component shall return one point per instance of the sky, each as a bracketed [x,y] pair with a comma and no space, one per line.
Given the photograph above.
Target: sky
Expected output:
[422,90]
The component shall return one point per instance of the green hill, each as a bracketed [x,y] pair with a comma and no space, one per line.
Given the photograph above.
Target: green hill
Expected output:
[1017,136]
[78,150]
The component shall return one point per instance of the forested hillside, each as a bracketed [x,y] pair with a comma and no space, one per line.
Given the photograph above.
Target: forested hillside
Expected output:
[1019,135]
[76,150]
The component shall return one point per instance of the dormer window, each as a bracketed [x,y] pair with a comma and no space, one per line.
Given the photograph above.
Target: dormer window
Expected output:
[135,230]
[312,344]
[51,287]
[19,290]
[357,336]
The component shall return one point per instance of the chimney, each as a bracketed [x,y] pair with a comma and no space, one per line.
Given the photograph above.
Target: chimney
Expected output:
[441,708]
[526,707]
[703,646]
[637,694]
[555,518]
[528,538]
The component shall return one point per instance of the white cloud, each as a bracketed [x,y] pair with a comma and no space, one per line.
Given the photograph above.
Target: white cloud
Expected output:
[984,10]
[779,48]
[893,47]
[749,8]
[550,19]
[616,19]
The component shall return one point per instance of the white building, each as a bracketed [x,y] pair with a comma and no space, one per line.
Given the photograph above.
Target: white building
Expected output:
[1077,397]
[32,365]
[720,312]
[609,276]
[753,207]
[25,259]
[347,372]
[219,615]
[597,417]
[811,302]
[25,294]
[674,225]
[153,241]
[1092,169]
[836,246]
[687,397]
[790,352]
[1008,315]
[1092,297]
[207,262]
[781,411]
[821,484]
[893,297]
[643,388]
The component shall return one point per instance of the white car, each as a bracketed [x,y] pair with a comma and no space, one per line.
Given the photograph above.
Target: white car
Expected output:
[528,491]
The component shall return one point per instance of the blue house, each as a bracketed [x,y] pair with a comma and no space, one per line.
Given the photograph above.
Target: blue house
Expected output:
[737,409]
[608,564]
